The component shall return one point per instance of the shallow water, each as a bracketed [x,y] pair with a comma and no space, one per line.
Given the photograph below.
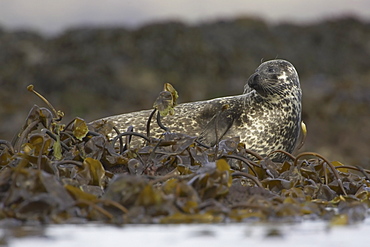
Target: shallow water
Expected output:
[310,233]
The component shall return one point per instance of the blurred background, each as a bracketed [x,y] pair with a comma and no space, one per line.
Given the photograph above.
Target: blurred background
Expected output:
[97,58]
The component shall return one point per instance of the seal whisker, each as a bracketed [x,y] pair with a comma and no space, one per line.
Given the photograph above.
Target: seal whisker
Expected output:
[267,88]
[273,88]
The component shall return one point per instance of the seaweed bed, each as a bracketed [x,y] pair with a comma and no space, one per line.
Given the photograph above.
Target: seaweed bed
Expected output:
[73,173]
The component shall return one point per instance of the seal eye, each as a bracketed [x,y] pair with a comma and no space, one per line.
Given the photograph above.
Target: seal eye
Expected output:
[271,70]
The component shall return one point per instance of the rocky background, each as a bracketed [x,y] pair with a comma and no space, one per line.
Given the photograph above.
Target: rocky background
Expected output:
[96,72]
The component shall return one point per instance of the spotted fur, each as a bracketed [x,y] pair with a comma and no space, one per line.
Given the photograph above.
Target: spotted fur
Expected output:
[266,116]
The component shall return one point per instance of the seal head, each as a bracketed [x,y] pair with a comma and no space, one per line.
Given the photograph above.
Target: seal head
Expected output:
[275,78]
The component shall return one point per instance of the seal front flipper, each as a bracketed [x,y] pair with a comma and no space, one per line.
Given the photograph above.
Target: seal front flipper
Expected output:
[217,127]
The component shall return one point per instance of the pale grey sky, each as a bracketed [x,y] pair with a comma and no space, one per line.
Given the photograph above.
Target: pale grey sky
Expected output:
[52,16]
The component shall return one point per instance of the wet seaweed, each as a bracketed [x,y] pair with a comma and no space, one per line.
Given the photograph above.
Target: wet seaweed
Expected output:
[59,173]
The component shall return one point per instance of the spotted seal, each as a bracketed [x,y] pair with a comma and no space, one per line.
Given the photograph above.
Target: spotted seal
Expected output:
[266,116]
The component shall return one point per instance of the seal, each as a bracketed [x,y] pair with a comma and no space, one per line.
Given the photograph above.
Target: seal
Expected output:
[266,117]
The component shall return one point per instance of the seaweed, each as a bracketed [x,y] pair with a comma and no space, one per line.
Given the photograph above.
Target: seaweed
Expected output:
[61,173]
